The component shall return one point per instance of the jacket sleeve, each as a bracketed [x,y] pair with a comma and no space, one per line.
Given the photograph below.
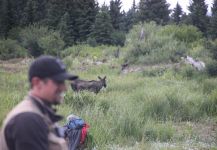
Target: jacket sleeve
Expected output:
[27,131]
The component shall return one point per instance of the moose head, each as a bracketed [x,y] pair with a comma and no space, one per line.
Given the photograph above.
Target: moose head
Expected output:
[103,81]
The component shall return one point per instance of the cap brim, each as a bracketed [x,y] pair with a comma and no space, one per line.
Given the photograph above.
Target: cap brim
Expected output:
[64,76]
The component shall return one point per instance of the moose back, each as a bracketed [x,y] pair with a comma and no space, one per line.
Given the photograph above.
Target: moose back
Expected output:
[93,85]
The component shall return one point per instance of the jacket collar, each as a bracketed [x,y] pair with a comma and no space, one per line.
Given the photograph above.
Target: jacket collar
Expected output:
[46,108]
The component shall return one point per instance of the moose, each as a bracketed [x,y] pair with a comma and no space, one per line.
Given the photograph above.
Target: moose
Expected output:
[93,85]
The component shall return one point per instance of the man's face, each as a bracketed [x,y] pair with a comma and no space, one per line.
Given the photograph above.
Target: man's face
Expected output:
[54,90]
[50,90]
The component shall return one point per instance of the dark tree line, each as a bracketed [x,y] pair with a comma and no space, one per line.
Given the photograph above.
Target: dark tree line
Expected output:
[83,20]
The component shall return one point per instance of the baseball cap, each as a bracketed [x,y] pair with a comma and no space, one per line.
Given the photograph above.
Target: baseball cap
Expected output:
[49,67]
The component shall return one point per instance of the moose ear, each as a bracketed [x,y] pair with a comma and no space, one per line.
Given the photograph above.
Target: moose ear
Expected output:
[104,78]
[99,77]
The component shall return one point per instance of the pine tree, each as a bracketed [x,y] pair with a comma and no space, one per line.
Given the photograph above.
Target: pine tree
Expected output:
[103,29]
[66,27]
[131,17]
[4,18]
[34,11]
[17,12]
[198,11]
[154,10]
[55,10]
[85,21]
[185,19]
[213,21]
[81,17]
[115,13]
[177,14]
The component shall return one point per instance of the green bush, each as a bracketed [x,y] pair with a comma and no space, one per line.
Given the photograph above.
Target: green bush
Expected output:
[92,41]
[11,49]
[154,48]
[14,33]
[118,38]
[52,44]
[212,46]
[212,68]
[209,85]
[209,106]
[40,40]
[183,33]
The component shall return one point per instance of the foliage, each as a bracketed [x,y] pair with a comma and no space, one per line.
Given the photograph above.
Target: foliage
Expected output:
[118,38]
[212,47]
[131,17]
[212,68]
[115,14]
[213,21]
[103,29]
[177,14]
[183,33]
[154,10]
[11,49]
[40,40]
[133,108]
[198,11]
[210,105]
[154,48]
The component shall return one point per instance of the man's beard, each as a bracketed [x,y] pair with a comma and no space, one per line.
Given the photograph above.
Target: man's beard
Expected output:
[60,99]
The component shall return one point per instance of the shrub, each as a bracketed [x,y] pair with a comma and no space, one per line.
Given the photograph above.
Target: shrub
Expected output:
[52,44]
[209,106]
[209,85]
[11,49]
[14,33]
[154,48]
[118,38]
[212,68]
[183,33]
[212,46]
[92,41]
[40,40]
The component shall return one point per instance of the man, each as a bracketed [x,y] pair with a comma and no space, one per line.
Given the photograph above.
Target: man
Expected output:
[31,125]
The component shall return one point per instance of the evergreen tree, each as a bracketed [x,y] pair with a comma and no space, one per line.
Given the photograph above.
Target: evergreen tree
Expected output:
[115,13]
[34,11]
[66,27]
[213,21]
[177,14]
[103,29]
[79,21]
[154,10]
[85,21]
[4,18]
[185,19]
[17,12]
[131,17]
[198,11]
[55,10]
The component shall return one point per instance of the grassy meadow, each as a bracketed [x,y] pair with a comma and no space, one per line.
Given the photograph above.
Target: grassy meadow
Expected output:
[166,105]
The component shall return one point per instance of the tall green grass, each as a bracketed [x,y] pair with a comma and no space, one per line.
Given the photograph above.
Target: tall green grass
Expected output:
[138,107]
